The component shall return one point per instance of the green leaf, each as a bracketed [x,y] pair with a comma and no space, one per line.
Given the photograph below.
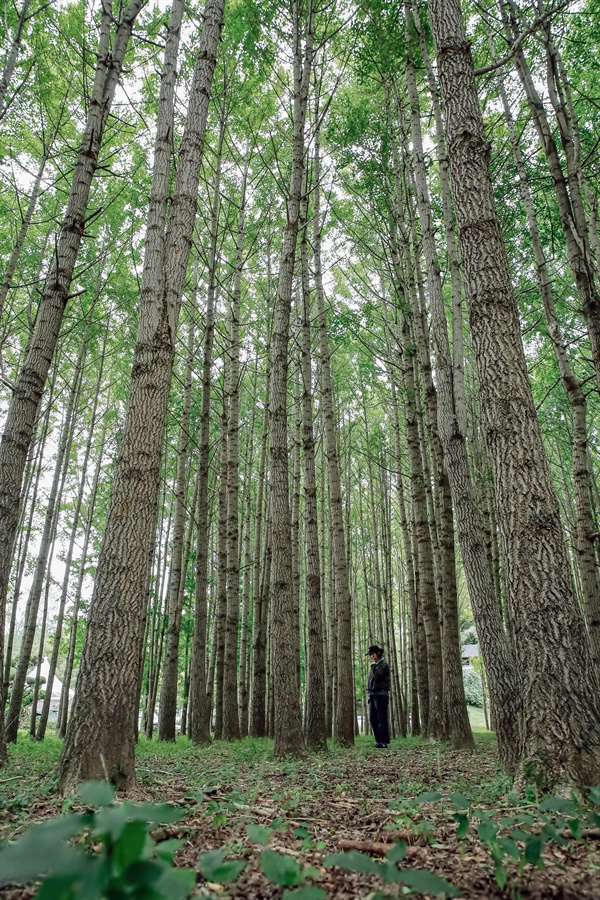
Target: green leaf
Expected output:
[41,851]
[428,882]
[428,797]
[595,794]
[166,850]
[463,824]
[97,793]
[214,867]
[500,876]
[460,801]
[509,847]
[397,853]
[487,831]
[176,884]
[353,861]
[280,868]
[306,892]
[130,846]
[533,849]
[558,804]
[259,834]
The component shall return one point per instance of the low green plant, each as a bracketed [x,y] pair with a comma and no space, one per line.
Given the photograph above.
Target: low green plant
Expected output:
[387,870]
[106,853]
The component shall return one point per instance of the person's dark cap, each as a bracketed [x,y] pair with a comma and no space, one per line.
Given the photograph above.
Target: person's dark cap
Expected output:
[374,649]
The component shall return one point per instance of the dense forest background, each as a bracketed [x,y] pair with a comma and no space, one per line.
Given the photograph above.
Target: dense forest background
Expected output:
[352,399]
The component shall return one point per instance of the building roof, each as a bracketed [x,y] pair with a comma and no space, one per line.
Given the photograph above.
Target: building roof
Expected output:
[470,650]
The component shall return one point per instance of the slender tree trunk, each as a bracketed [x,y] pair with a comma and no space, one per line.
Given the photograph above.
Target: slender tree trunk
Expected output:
[103,741]
[315,722]
[221,610]
[37,467]
[200,711]
[561,694]
[231,720]
[287,710]
[169,688]
[257,699]
[11,57]
[63,711]
[343,724]
[48,533]
[568,194]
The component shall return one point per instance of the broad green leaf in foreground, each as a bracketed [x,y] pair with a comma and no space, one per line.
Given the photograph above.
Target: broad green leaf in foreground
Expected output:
[280,868]
[214,867]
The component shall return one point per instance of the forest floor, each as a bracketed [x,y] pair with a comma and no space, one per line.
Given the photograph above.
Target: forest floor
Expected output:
[312,806]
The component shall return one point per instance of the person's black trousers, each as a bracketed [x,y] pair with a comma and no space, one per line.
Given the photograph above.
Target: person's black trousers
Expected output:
[378,715]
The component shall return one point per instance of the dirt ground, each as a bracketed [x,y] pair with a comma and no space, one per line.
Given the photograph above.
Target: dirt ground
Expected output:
[325,803]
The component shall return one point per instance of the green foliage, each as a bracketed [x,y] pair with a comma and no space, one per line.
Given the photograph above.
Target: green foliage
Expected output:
[414,879]
[214,867]
[473,687]
[127,863]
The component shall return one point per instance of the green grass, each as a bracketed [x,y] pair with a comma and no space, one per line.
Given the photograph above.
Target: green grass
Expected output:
[477,719]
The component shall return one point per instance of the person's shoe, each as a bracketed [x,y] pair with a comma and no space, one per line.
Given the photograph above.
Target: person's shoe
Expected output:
[380,746]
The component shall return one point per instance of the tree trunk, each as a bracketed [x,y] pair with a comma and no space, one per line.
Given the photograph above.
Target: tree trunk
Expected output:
[315,728]
[561,695]
[287,710]
[103,740]
[169,688]
[63,711]
[343,722]
[12,56]
[584,544]
[200,711]
[454,694]
[47,539]
[231,720]
[568,194]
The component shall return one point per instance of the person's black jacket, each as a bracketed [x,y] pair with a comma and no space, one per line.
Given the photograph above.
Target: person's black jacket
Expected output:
[379,677]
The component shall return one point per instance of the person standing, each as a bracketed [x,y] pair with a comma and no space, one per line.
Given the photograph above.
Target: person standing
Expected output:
[378,687]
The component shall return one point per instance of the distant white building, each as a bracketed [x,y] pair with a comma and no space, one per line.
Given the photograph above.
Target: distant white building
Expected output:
[57,687]
[469,653]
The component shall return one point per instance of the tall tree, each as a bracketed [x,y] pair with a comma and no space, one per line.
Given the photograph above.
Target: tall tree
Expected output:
[561,695]
[100,736]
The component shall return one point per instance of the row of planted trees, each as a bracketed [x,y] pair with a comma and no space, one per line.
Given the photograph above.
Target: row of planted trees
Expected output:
[248,424]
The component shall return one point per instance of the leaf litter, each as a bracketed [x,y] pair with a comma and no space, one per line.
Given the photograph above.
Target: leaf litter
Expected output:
[238,797]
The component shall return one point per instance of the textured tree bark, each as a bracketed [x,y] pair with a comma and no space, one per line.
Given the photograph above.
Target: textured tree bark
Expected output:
[454,694]
[561,695]
[287,711]
[315,727]
[231,721]
[257,698]
[584,544]
[258,709]
[221,610]
[103,741]
[169,689]
[200,709]
[25,404]
[342,702]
